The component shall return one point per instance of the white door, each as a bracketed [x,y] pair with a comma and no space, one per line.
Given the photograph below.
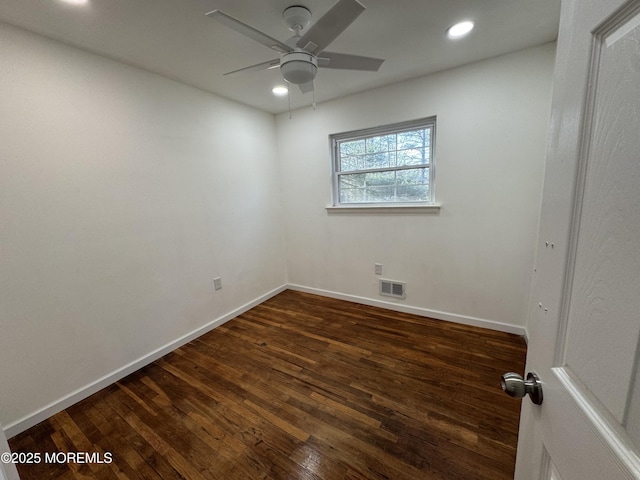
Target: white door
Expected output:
[584,323]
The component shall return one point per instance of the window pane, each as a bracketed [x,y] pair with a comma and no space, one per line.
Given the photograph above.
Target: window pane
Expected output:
[413,156]
[415,139]
[356,180]
[364,180]
[384,151]
[412,193]
[395,186]
[352,195]
[351,155]
[413,176]
[382,143]
[413,185]
[380,178]
[378,160]
[348,163]
[355,147]
[380,194]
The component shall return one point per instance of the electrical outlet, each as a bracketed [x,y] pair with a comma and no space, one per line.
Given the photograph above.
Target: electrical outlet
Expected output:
[217,283]
[378,268]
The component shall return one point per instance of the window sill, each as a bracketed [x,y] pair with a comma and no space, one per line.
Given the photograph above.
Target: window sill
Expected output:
[413,209]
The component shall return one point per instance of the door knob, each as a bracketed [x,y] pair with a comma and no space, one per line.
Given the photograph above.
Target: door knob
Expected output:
[515,386]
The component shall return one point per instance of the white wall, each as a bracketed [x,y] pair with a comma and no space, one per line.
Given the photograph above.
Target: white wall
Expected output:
[122,195]
[473,261]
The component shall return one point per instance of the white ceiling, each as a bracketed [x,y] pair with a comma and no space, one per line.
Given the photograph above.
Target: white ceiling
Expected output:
[174,38]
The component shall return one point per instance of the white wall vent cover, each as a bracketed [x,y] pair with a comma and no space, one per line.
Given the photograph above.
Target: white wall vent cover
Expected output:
[391,288]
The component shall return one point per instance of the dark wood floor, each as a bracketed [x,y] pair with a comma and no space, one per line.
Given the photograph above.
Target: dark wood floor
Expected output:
[302,387]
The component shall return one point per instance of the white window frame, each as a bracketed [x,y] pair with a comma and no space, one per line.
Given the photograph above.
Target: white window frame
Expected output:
[335,141]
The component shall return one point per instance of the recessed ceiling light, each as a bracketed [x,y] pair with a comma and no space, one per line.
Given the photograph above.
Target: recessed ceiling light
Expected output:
[76,2]
[280,90]
[460,29]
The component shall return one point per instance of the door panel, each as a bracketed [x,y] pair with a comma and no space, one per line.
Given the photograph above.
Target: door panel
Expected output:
[553,473]
[603,331]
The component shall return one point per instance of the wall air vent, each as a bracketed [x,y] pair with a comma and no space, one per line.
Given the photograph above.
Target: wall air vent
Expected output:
[391,288]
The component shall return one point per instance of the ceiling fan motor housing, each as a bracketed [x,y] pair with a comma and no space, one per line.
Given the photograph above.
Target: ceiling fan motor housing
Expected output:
[298,67]
[297,18]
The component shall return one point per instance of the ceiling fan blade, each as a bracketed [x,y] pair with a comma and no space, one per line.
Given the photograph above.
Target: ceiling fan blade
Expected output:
[344,61]
[330,25]
[250,32]
[306,87]
[255,68]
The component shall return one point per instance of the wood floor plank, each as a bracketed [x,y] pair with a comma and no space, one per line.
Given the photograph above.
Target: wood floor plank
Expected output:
[302,387]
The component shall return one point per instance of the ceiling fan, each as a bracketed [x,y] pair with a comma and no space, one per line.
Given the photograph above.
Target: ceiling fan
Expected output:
[304,52]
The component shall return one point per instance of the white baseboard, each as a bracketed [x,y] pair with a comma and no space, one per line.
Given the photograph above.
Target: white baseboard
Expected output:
[14,428]
[423,312]
[32,419]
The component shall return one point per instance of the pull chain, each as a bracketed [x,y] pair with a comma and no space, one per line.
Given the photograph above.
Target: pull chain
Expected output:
[313,92]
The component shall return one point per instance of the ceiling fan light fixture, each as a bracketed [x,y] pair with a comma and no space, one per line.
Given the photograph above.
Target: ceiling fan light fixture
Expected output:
[298,67]
[460,29]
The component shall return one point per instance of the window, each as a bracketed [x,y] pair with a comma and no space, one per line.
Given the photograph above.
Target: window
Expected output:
[387,165]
